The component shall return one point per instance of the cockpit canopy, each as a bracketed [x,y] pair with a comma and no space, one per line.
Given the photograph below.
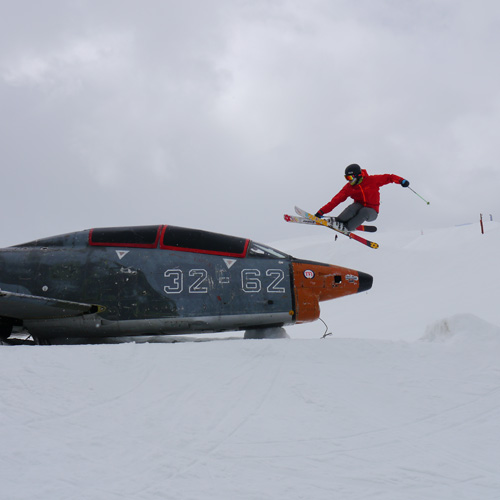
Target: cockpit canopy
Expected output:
[165,237]
[170,238]
[139,236]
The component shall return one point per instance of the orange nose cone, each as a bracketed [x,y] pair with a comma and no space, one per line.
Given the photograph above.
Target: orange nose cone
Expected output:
[315,282]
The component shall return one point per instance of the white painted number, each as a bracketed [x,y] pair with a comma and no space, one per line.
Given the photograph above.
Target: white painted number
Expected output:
[197,287]
[199,281]
[176,281]
[250,283]
[279,275]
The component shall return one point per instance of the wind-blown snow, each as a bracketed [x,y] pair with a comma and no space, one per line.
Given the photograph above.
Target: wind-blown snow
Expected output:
[401,402]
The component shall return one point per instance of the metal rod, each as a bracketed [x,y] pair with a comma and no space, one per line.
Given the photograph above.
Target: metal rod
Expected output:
[428,202]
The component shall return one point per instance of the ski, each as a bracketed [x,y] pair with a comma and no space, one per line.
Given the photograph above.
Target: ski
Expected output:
[367,229]
[324,222]
[304,220]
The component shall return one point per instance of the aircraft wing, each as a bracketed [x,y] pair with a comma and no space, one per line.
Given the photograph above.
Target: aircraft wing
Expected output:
[21,306]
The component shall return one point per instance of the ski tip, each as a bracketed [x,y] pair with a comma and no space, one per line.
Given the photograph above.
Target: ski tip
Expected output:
[368,229]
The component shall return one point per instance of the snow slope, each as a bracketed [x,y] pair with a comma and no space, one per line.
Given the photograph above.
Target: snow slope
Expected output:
[401,402]
[418,279]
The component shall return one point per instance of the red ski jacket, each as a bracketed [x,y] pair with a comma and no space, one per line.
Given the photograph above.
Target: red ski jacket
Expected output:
[367,192]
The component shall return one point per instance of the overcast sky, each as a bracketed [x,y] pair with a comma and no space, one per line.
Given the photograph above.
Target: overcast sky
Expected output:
[224,114]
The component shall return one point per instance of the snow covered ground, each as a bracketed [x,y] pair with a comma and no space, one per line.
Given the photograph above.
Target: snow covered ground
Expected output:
[419,278]
[401,402]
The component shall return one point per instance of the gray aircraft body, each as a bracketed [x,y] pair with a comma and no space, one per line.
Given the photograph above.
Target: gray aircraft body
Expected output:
[159,280]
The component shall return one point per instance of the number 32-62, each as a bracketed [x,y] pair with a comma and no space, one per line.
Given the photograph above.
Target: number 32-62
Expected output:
[251,281]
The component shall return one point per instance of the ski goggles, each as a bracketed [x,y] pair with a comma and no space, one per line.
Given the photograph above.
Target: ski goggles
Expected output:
[350,177]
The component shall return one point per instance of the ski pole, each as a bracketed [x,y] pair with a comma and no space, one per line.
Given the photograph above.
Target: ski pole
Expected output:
[428,202]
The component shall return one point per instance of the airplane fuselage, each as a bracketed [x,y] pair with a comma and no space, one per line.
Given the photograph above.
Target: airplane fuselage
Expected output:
[162,280]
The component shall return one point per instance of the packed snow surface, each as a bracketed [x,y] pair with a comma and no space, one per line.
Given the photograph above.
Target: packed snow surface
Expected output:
[401,402]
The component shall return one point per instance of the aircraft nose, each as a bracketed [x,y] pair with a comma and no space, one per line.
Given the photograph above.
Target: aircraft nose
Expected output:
[315,282]
[365,282]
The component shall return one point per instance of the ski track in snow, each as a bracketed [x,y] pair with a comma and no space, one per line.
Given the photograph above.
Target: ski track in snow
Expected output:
[405,409]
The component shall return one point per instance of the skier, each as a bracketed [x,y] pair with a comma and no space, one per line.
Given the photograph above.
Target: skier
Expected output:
[364,189]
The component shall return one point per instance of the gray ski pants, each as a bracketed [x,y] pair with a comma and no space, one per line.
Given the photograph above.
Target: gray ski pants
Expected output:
[355,215]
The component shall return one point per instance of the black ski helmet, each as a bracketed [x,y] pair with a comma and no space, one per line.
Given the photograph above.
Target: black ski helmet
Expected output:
[353,169]
[353,174]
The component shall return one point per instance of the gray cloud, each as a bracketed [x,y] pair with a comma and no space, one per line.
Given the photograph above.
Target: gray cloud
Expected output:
[223,115]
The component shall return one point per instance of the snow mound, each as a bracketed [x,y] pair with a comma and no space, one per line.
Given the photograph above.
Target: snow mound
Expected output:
[461,326]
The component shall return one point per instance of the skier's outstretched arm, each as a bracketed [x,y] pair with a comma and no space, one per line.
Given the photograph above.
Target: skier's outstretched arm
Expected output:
[341,196]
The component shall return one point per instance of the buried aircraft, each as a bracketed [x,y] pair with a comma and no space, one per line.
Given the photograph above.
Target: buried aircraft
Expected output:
[160,280]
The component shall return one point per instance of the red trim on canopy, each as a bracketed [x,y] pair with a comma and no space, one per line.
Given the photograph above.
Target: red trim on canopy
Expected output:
[198,250]
[128,245]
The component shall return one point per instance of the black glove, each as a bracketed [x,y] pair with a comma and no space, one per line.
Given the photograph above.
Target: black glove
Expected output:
[319,214]
[405,183]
